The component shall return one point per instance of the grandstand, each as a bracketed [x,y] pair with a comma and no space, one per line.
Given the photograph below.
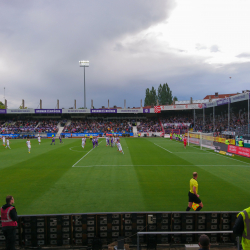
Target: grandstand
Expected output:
[82,197]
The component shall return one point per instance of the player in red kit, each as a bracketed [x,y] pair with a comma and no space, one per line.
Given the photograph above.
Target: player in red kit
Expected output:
[185,142]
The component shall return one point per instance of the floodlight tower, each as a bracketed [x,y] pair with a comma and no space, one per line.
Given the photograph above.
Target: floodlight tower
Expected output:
[84,64]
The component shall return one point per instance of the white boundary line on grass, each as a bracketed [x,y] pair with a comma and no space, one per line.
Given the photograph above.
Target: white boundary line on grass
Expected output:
[163,148]
[160,166]
[75,150]
[189,153]
[84,156]
[207,150]
[223,156]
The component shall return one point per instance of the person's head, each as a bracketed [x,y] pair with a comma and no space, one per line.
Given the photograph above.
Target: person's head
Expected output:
[204,241]
[195,175]
[10,199]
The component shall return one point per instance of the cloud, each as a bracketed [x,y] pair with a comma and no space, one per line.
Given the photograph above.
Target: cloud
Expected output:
[200,47]
[41,44]
[131,46]
[244,55]
[214,48]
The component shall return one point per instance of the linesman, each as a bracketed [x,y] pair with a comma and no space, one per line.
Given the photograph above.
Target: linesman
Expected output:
[193,193]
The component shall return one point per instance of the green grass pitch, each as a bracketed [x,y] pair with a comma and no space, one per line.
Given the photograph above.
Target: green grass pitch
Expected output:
[152,175]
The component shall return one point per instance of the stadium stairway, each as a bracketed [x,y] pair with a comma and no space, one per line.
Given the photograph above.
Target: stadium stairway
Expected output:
[163,131]
[68,123]
[38,124]
[135,131]
[60,129]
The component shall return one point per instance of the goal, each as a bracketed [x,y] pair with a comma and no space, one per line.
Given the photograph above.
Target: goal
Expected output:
[204,140]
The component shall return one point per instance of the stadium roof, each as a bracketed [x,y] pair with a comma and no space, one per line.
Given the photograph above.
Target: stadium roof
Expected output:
[217,96]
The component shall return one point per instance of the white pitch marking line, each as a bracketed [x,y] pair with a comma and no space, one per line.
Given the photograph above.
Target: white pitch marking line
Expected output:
[162,166]
[225,156]
[163,148]
[75,150]
[83,157]
[189,153]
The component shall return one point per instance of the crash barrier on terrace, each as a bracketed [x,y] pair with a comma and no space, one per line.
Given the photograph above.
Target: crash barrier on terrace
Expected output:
[105,228]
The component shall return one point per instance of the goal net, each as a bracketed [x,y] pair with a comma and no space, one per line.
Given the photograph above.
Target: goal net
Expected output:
[204,140]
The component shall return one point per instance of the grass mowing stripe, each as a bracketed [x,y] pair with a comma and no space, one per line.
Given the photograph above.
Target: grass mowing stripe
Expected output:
[163,148]
[161,166]
[146,178]
[82,190]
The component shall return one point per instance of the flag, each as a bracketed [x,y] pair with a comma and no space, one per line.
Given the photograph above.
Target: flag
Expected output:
[157,109]
[195,206]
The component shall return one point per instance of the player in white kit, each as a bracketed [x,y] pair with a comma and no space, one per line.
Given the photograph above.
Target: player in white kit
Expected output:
[39,139]
[3,141]
[83,142]
[28,143]
[8,143]
[120,147]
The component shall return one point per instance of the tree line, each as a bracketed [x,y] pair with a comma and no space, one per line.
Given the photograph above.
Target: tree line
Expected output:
[163,97]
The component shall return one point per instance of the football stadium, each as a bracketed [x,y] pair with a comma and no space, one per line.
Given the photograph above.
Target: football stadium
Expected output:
[70,190]
[124,125]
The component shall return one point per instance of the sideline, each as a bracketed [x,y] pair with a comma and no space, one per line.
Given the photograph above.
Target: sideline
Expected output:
[161,166]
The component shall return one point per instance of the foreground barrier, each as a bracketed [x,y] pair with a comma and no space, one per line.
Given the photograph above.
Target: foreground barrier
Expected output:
[86,229]
[181,233]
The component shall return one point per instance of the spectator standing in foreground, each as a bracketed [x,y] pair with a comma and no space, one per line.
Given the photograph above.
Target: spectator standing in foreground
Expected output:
[204,242]
[9,222]
[242,227]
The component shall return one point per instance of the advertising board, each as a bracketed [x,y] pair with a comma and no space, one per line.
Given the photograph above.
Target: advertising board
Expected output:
[129,110]
[103,111]
[223,101]
[2,111]
[239,150]
[9,135]
[76,111]
[68,135]
[18,111]
[48,111]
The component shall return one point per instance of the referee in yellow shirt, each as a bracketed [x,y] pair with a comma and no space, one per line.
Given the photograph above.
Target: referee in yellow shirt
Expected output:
[193,193]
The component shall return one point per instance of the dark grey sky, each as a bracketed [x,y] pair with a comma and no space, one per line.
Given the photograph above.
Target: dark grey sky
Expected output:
[129,45]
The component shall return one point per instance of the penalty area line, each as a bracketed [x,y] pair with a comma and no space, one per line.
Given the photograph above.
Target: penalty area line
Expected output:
[163,148]
[82,157]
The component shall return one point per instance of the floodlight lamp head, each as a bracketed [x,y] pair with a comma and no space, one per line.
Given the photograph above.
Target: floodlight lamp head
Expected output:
[84,63]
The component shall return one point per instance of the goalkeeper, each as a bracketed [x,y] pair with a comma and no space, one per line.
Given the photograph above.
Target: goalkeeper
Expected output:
[193,193]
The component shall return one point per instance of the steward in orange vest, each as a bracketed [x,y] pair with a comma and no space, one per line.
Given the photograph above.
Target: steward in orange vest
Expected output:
[9,222]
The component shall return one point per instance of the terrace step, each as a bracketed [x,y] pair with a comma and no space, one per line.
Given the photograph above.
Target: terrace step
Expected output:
[38,124]
[135,131]
[60,129]
[68,123]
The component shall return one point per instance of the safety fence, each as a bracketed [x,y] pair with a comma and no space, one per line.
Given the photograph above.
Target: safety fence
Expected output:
[85,229]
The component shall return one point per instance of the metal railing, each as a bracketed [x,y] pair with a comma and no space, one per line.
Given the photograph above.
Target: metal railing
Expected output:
[184,232]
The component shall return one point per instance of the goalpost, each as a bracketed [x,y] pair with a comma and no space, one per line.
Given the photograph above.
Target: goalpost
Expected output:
[204,140]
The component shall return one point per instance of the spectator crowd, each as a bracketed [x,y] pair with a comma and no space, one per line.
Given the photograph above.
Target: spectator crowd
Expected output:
[182,122]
